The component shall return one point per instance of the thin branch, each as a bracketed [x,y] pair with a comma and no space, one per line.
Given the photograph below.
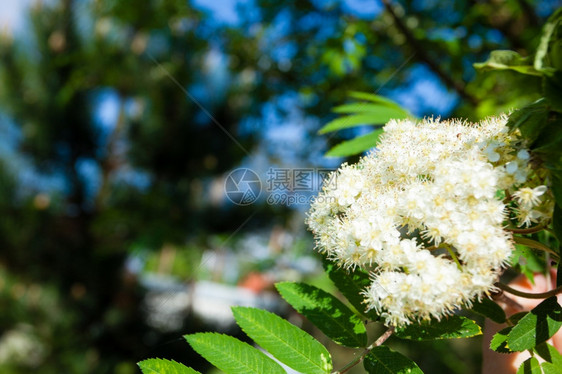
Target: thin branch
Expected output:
[421,53]
[382,338]
[542,295]
[361,357]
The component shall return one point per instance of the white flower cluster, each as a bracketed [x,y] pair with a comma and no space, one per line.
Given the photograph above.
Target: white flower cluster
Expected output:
[425,212]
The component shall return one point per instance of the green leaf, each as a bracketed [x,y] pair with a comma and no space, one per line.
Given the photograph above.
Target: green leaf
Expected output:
[448,328]
[549,354]
[556,183]
[489,309]
[325,311]
[528,262]
[552,87]
[356,108]
[507,60]
[548,368]
[557,228]
[383,360]
[380,100]
[530,366]
[356,145]
[543,59]
[499,341]
[559,273]
[162,366]
[351,284]
[549,141]
[530,119]
[286,342]
[539,325]
[381,116]
[231,355]
[515,318]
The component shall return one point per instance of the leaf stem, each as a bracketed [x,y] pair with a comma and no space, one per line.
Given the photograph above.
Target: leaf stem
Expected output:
[534,244]
[360,358]
[542,295]
[454,256]
[529,230]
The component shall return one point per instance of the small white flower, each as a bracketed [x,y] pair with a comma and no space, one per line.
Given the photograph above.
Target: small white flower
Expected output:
[490,152]
[529,197]
[523,155]
[511,167]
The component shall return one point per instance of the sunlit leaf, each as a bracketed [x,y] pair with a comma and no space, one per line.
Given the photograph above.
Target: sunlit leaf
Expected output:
[499,341]
[530,366]
[162,366]
[507,60]
[549,354]
[356,145]
[231,355]
[379,100]
[381,116]
[537,326]
[285,341]
[325,311]
[542,61]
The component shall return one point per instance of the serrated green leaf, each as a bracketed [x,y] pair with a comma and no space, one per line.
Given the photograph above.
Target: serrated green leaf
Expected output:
[489,309]
[507,60]
[162,366]
[231,355]
[326,312]
[381,116]
[383,360]
[351,284]
[499,341]
[530,366]
[553,358]
[285,341]
[549,354]
[537,326]
[448,328]
[548,368]
[515,318]
[356,145]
